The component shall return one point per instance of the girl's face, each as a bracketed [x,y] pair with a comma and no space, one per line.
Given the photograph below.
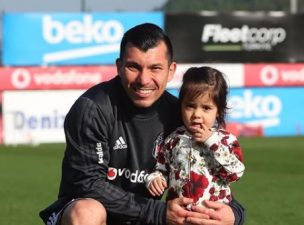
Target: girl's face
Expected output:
[196,112]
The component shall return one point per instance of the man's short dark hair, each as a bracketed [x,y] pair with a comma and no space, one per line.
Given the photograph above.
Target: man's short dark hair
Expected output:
[146,36]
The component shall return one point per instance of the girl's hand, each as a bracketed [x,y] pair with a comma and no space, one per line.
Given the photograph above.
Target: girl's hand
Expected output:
[157,186]
[201,134]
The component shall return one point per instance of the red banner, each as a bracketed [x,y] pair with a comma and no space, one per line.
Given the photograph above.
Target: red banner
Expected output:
[273,75]
[32,78]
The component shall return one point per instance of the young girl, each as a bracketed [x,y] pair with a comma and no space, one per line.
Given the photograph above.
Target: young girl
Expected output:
[200,159]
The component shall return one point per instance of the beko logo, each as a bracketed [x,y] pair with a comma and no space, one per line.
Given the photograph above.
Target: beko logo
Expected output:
[85,31]
[247,38]
[94,37]
[256,109]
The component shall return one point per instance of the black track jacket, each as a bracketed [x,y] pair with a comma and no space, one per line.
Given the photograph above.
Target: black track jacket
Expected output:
[109,152]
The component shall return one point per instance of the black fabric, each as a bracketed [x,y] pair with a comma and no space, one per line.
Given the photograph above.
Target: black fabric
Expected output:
[239,212]
[98,119]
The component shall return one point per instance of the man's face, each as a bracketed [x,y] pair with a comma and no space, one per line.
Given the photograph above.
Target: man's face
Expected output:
[144,75]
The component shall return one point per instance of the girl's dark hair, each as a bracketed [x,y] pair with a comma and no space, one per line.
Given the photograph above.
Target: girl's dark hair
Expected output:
[200,80]
[146,36]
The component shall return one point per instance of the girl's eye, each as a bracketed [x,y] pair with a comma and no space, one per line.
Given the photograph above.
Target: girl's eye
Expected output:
[207,108]
[189,105]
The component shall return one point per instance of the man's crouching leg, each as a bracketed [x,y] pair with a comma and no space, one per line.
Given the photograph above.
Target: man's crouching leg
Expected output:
[84,212]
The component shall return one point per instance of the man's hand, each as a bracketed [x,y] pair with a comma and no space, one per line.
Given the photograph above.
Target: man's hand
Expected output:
[177,212]
[219,213]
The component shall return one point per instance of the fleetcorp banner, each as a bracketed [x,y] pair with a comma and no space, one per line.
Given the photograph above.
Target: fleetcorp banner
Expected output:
[237,38]
[67,38]
[277,111]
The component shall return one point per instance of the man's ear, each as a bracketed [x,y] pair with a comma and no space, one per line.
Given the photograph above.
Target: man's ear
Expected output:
[118,66]
[172,70]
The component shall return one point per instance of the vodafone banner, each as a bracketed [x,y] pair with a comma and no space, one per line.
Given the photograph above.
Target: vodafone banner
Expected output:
[273,75]
[250,75]
[74,77]
[65,77]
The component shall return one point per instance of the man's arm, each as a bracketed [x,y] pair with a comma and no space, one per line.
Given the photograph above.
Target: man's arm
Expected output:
[239,212]
[85,168]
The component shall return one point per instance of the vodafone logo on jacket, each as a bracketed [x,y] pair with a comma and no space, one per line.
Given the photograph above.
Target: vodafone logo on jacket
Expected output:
[112,173]
[134,177]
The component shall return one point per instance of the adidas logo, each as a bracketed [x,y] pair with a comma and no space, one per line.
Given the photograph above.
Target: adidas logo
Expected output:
[120,144]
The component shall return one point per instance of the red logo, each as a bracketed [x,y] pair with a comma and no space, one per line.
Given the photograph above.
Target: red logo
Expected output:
[112,173]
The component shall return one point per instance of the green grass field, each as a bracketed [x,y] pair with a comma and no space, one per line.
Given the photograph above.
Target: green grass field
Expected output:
[271,189]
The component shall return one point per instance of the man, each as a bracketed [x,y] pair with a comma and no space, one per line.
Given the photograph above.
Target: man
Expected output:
[111,131]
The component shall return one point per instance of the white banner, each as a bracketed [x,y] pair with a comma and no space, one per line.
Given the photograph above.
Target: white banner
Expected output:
[234,73]
[33,117]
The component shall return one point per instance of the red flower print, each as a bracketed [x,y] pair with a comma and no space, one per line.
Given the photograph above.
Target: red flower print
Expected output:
[174,142]
[224,140]
[229,198]
[158,148]
[161,157]
[213,198]
[177,175]
[214,147]
[222,194]
[212,190]
[167,146]
[222,173]
[214,178]
[195,187]
[232,177]
[236,149]
[235,144]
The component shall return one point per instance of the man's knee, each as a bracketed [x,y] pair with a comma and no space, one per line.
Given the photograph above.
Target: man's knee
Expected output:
[84,211]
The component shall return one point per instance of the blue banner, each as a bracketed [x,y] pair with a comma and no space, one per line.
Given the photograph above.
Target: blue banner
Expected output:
[68,38]
[278,111]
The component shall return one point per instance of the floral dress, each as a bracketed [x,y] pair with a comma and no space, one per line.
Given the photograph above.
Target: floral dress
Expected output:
[199,171]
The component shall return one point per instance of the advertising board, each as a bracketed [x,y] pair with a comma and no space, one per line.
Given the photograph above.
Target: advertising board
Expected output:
[275,111]
[33,117]
[272,75]
[55,77]
[67,38]
[236,37]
